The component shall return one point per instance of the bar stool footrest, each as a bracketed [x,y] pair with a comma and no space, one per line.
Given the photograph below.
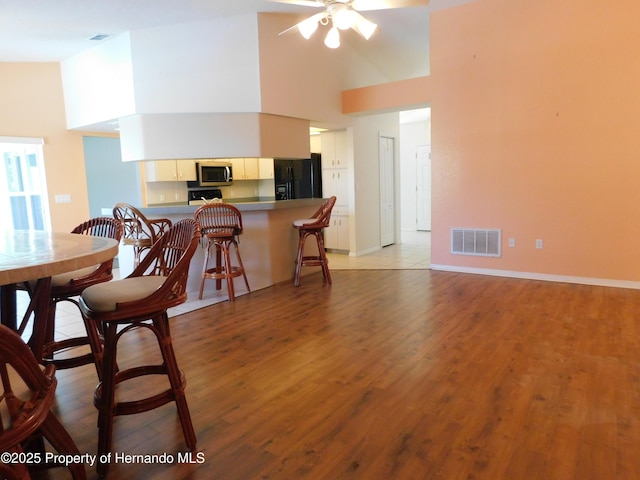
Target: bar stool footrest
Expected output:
[221,273]
[145,404]
[313,261]
[51,348]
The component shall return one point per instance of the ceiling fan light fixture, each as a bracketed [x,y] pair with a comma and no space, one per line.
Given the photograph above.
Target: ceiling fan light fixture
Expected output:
[343,17]
[364,27]
[309,26]
[332,40]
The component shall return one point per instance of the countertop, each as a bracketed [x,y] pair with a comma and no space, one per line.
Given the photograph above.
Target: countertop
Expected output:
[244,205]
[269,242]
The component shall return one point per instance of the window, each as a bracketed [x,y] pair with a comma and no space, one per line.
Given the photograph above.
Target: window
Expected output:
[23,187]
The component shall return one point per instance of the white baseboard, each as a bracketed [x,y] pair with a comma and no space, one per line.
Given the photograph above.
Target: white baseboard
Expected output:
[603,282]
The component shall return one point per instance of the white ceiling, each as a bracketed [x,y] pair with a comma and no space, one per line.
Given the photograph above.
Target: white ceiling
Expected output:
[52,30]
[416,115]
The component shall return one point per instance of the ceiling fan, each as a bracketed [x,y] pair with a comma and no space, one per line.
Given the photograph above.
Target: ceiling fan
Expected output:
[343,15]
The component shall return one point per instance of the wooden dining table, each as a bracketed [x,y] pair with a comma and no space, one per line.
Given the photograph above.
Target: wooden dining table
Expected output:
[36,256]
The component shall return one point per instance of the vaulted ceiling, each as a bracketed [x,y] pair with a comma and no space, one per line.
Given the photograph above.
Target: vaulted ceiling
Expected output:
[39,31]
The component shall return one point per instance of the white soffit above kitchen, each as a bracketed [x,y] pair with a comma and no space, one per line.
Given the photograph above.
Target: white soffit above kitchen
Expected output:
[212,135]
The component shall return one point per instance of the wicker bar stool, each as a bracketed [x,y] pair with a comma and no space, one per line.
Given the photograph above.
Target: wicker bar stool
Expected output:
[26,406]
[221,224]
[139,231]
[66,287]
[141,301]
[314,226]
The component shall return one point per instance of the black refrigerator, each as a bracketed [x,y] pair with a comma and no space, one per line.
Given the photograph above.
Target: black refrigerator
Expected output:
[298,178]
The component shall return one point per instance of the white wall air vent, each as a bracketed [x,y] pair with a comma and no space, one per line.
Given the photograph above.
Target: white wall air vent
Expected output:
[470,241]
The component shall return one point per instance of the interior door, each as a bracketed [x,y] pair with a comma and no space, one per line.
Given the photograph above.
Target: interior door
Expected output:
[387,191]
[423,187]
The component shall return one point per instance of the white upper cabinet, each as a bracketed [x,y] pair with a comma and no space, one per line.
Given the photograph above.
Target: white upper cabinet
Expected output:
[170,170]
[336,182]
[335,171]
[245,168]
[265,168]
[334,149]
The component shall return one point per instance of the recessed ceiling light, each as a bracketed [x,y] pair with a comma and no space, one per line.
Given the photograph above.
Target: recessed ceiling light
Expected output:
[100,36]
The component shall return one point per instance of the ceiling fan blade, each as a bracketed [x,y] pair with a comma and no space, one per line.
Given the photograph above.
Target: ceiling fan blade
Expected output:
[310,27]
[364,5]
[303,3]
[289,29]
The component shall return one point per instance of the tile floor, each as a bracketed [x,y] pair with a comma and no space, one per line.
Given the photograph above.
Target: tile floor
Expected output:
[413,252]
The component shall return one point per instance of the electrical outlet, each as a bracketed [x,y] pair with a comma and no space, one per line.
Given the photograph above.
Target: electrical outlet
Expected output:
[539,243]
[512,242]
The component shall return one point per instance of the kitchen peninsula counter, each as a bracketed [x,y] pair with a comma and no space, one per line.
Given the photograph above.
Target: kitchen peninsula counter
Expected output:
[244,205]
[268,244]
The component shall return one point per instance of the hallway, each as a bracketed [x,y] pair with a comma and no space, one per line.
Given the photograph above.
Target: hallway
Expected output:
[412,253]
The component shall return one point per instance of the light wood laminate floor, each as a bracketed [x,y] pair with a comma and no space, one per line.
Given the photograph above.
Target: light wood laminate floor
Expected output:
[412,252]
[392,374]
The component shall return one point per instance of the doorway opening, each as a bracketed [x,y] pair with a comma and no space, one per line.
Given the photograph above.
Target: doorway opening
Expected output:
[387,190]
[415,179]
[415,170]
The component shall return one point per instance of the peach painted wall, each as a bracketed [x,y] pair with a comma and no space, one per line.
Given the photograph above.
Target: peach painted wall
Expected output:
[32,105]
[409,93]
[302,78]
[534,131]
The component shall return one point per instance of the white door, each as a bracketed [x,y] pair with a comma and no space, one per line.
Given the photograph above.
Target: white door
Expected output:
[423,187]
[387,192]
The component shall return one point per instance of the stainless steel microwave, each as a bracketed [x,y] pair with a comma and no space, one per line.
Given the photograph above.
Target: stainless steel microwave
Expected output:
[214,174]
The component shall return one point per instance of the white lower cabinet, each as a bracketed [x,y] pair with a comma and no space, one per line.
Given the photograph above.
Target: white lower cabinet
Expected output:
[336,236]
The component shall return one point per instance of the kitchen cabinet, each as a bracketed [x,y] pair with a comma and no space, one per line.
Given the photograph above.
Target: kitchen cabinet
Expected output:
[265,168]
[245,169]
[336,235]
[334,149]
[335,167]
[170,171]
[336,180]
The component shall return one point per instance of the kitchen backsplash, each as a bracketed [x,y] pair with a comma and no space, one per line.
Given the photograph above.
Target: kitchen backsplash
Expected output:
[176,192]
